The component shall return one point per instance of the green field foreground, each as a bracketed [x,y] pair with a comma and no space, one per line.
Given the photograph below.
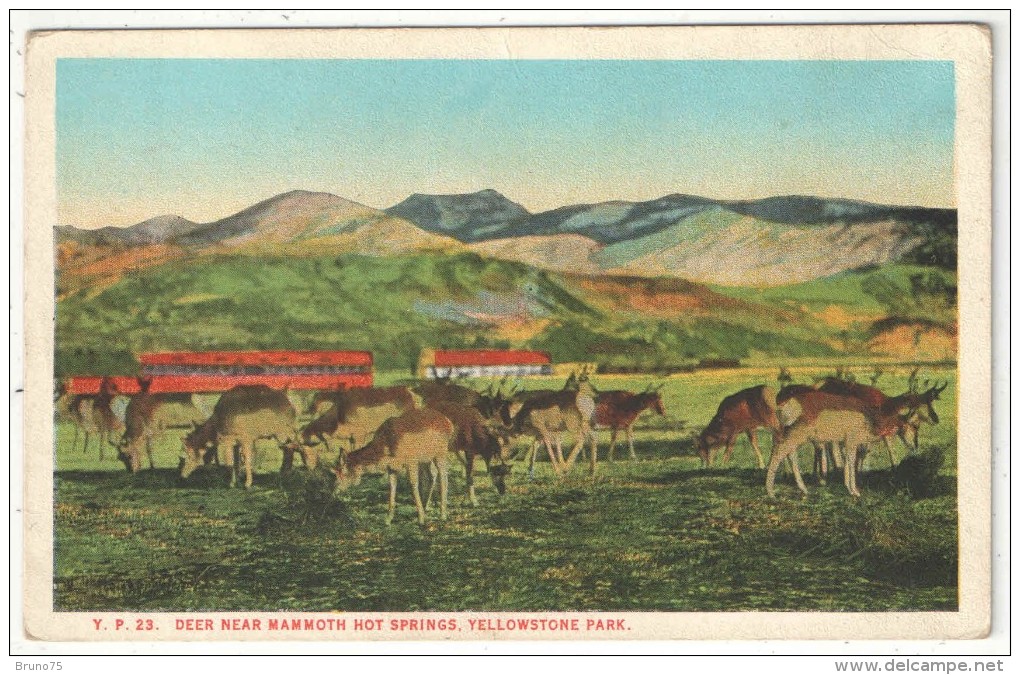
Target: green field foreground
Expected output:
[659,534]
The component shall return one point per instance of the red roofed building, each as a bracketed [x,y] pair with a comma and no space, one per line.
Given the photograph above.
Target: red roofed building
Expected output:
[443,363]
[198,372]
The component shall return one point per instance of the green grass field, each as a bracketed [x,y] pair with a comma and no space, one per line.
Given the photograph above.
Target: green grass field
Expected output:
[659,534]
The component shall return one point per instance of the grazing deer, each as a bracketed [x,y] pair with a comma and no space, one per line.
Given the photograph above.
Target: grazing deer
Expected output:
[475,437]
[242,416]
[501,408]
[420,436]
[356,413]
[874,398]
[93,414]
[741,413]
[149,415]
[822,417]
[616,410]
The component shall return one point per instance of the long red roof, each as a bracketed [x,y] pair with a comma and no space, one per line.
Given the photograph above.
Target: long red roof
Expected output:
[491,357]
[252,358]
[197,384]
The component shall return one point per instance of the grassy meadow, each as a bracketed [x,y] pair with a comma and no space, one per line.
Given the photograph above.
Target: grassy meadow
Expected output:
[658,534]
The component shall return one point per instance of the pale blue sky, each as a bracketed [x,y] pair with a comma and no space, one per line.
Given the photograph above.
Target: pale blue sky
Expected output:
[204,138]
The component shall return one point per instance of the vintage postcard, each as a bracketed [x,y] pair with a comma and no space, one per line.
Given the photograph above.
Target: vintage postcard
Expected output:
[508,334]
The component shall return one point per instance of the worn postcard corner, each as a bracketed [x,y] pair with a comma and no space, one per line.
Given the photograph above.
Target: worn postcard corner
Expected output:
[635,333]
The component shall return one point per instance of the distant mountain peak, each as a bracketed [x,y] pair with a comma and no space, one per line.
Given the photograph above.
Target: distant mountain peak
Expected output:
[471,216]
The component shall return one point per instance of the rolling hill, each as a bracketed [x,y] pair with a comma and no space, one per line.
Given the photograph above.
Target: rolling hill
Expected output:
[293,223]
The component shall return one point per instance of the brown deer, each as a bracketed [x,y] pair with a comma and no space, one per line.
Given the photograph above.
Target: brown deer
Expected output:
[476,437]
[744,412]
[93,414]
[357,413]
[878,400]
[821,417]
[548,415]
[616,410]
[242,416]
[420,436]
[443,390]
[149,415]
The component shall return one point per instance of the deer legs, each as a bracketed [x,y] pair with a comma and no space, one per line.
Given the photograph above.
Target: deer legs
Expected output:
[853,446]
[612,444]
[437,469]
[752,434]
[888,447]
[630,443]
[548,441]
[796,437]
[469,478]
[787,448]
[584,434]
[242,452]
[412,475]
[393,494]
[444,485]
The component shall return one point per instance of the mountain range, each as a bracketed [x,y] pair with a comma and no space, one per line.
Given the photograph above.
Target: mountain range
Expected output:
[767,242]
[627,284]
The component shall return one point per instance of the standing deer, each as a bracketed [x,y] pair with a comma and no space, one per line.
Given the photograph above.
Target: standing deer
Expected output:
[501,408]
[93,414]
[242,416]
[404,443]
[741,413]
[822,417]
[616,410]
[149,415]
[547,415]
[475,437]
[874,398]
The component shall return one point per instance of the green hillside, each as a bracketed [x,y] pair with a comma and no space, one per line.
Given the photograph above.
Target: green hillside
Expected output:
[394,306]
[908,292]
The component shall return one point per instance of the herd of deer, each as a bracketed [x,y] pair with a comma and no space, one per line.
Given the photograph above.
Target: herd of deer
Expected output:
[834,412]
[403,429]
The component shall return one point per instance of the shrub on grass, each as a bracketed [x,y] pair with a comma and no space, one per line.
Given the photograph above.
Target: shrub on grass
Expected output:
[918,473]
[309,500]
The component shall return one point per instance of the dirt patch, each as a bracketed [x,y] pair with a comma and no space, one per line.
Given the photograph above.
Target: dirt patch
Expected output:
[663,298]
[915,342]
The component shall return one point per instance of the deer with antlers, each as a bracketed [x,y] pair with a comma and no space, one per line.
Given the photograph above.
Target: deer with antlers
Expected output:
[476,437]
[820,417]
[546,415]
[919,402]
